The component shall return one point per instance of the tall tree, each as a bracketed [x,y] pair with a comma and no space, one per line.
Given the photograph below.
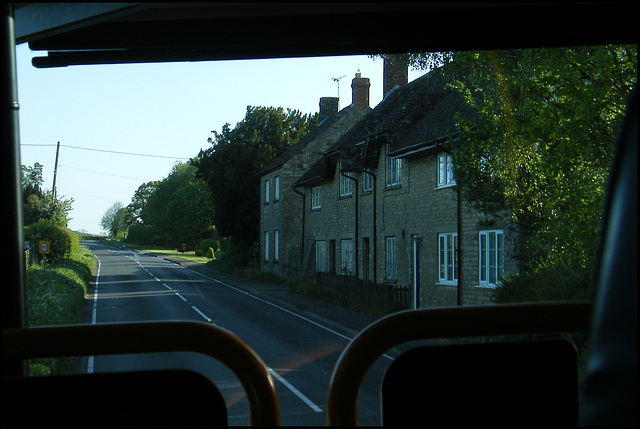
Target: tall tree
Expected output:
[40,204]
[56,209]
[231,166]
[32,193]
[140,198]
[544,145]
[116,219]
[31,178]
[180,209]
[541,151]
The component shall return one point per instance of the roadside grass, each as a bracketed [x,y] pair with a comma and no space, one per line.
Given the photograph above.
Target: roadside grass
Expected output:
[55,296]
[189,256]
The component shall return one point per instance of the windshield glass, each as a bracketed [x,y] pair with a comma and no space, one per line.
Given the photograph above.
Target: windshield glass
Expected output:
[295,201]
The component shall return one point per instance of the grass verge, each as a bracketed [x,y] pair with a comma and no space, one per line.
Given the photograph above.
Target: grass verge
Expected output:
[55,296]
[189,256]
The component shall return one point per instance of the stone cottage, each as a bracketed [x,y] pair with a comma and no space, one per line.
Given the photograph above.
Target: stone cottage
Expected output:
[381,204]
[282,206]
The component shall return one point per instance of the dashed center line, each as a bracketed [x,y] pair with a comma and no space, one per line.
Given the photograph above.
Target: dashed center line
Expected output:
[273,373]
[204,316]
[196,309]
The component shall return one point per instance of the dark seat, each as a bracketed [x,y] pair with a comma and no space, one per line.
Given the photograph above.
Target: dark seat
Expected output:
[158,398]
[167,397]
[458,322]
[495,383]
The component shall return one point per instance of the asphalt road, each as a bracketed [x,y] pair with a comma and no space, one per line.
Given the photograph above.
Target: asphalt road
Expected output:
[300,353]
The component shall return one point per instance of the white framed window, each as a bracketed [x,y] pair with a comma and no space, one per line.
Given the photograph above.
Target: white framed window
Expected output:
[491,264]
[266,246]
[345,185]
[316,194]
[321,257]
[346,257]
[390,257]
[367,182]
[267,191]
[276,245]
[394,170]
[445,170]
[448,255]
[276,196]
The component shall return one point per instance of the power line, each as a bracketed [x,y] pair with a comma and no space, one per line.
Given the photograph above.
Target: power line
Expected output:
[96,196]
[107,151]
[104,174]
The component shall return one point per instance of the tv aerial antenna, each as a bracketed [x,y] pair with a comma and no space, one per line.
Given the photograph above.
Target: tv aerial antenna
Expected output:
[337,81]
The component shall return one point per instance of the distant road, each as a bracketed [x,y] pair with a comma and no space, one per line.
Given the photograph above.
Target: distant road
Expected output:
[301,355]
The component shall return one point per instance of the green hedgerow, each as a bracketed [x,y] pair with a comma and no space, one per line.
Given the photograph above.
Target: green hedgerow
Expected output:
[55,296]
[62,241]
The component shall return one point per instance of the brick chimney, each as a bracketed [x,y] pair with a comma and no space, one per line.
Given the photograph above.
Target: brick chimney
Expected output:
[328,107]
[360,91]
[396,74]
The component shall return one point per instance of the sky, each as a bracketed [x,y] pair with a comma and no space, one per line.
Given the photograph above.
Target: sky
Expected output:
[120,126]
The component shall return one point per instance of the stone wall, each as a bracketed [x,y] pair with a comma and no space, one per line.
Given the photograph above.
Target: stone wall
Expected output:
[414,214]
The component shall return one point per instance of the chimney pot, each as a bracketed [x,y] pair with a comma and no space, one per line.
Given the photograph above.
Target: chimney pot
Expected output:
[360,91]
[328,107]
[396,74]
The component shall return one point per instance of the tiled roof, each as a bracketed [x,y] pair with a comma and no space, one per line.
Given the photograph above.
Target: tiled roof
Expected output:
[304,141]
[322,170]
[411,116]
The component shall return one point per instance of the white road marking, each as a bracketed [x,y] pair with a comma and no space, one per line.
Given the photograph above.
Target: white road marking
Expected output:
[295,391]
[204,316]
[277,376]
[94,314]
[276,306]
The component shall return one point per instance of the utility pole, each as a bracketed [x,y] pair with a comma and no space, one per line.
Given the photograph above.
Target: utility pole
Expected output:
[55,172]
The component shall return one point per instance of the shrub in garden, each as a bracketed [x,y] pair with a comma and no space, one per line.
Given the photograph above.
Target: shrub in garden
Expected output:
[556,282]
[207,243]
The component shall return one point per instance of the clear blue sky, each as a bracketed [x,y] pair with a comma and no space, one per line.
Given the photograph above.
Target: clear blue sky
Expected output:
[164,110]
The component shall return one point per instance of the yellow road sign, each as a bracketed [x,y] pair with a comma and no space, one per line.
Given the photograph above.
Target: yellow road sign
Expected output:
[44,247]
